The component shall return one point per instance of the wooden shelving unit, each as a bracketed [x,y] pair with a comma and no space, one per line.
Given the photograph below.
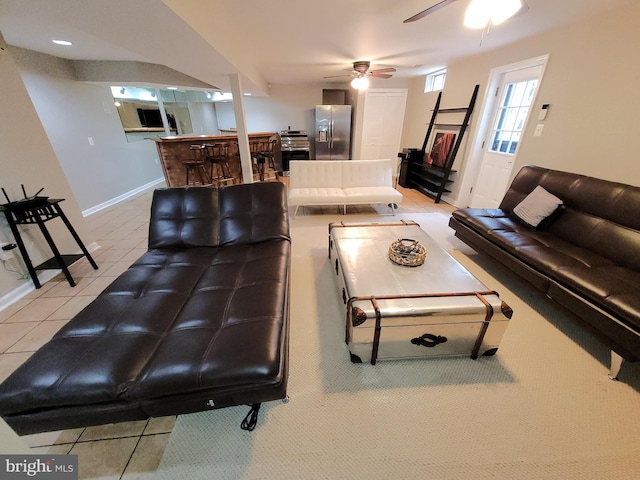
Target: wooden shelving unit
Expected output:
[433,180]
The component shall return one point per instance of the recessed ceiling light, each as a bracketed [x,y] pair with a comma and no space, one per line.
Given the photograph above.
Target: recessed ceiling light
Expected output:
[62,42]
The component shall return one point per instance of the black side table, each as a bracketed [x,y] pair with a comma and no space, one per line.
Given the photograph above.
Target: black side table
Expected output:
[40,210]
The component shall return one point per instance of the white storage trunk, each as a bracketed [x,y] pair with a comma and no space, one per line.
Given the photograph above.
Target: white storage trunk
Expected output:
[394,311]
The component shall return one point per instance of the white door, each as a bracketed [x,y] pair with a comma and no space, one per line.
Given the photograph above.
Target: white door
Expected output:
[516,93]
[382,124]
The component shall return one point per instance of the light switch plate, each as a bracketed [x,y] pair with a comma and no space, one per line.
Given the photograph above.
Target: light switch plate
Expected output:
[538,130]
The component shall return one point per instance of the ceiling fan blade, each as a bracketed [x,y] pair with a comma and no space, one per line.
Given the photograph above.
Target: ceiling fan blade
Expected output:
[337,76]
[383,70]
[380,75]
[429,10]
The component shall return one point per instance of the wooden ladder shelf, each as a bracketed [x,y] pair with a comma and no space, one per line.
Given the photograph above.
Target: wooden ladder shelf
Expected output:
[430,179]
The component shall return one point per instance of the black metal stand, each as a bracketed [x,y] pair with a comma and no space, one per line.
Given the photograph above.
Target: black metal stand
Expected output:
[39,211]
[432,180]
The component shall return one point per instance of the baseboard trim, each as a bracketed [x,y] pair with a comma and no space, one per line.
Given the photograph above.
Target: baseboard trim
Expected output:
[120,198]
[43,277]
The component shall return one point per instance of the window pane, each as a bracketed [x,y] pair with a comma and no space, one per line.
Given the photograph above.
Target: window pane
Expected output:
[521,117]
[438,82]
[435,81]
[507,119]
[504,144]
[512,116]
[515,139]
[531,89]
[518,95]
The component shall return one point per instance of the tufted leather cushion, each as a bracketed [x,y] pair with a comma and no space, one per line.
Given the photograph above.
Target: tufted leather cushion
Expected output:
[342,182]
[194,217]
[197,322]
[315,174]
[367,173]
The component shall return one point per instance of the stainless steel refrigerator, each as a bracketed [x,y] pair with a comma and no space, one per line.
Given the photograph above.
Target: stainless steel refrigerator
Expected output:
[333,132]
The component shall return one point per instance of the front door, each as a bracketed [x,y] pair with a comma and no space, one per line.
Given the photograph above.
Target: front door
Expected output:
[516,92]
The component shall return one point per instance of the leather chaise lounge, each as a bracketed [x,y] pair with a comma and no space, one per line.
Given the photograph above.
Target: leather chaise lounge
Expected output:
[200,321]
[585,256]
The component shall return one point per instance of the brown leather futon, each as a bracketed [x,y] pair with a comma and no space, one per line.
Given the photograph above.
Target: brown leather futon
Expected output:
[199,322]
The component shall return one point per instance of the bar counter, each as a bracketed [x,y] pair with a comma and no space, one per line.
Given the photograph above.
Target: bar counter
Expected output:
[175,150]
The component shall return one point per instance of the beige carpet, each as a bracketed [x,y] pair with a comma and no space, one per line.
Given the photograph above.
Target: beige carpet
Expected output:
[542,408]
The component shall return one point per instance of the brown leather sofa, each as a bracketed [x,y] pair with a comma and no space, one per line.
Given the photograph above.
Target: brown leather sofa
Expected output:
[585,256]
[200,321]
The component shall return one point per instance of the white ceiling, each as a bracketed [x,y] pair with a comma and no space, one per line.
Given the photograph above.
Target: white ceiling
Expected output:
[272,41]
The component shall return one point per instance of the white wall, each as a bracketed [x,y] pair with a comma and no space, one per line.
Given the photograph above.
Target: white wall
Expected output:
[591,83]
[286,106]
[291,106]
[203,118]
[73,111]
[27,157]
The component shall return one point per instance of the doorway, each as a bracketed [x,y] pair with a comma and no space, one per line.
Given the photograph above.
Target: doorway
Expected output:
[506,111]
[380,124]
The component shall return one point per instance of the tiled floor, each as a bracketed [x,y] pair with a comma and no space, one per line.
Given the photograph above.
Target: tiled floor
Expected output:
[127,450]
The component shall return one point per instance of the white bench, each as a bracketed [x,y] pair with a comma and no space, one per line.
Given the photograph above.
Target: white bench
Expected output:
[342,182]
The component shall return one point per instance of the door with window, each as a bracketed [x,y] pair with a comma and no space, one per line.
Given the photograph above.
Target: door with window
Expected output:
[516,94]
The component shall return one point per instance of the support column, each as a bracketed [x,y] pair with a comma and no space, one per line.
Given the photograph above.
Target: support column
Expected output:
[241,126]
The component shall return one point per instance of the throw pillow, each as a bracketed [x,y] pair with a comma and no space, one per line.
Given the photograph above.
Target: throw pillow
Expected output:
[537,206]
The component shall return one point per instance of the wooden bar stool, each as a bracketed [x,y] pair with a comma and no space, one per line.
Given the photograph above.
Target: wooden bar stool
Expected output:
[217,154]
[196,167]
[263,155]
[270,153]
[256,160]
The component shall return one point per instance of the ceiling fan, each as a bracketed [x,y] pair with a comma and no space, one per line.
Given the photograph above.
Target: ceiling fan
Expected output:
[361,72]
[480,13]
[361,69]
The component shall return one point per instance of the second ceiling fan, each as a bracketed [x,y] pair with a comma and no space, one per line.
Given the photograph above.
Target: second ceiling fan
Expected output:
[361,71]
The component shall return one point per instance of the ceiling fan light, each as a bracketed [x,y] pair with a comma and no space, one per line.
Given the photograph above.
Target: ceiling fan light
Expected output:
[478,13]
[360,83]
[503,10]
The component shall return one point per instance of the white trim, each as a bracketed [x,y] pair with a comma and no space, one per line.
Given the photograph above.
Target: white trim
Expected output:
[471,169]
[120,198]
[27,287]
